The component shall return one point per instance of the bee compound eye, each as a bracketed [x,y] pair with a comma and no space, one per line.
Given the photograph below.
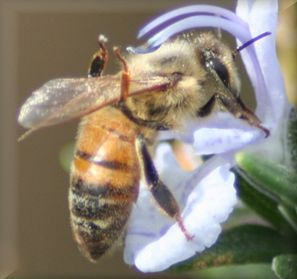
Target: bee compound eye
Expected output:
[220,69]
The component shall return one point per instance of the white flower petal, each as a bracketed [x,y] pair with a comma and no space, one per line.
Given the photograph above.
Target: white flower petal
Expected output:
[151,234]
[218,133]
[262,17]
[224,134]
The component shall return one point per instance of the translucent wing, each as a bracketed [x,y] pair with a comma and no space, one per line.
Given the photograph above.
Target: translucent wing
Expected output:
[60,100]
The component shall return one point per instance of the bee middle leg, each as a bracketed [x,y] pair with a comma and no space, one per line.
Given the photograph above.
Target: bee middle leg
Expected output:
[125,78]
[160,191]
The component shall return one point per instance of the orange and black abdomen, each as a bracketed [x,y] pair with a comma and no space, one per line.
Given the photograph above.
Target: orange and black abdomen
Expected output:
[104,180]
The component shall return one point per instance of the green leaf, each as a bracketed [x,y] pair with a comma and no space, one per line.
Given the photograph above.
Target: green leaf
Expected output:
[262,203]
[285,266]
[292,136]
[246,271]
[240,245]
[289,214]
[277,179]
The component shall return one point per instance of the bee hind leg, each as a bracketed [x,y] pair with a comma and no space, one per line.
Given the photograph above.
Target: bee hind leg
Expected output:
[160,191]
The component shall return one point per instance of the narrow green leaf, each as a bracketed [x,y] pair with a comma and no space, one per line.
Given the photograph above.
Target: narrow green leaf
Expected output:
[262,203]
[240,245]
[277,179]
[292,136]
[285,266]
[289,214]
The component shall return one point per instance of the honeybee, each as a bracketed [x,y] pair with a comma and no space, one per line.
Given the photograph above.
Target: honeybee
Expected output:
[187,77]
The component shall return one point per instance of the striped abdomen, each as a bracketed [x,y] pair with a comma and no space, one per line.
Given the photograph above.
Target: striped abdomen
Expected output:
[104,180]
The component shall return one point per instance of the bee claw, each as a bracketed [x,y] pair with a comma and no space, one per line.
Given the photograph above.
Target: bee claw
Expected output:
[181,225]
[265,130]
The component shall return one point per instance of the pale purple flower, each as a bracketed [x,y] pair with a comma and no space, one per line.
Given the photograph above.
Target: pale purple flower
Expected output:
[154,242]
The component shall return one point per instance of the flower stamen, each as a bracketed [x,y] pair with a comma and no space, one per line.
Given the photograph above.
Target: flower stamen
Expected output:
[249,42]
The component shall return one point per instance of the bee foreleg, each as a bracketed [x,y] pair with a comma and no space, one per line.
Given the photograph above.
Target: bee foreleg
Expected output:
[235,106]
[160,191]
[152,124]
[207,108]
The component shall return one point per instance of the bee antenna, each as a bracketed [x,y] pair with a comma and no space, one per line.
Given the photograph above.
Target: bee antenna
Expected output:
[249,42]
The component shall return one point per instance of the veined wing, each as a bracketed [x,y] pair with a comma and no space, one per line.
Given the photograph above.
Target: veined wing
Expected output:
[60,100]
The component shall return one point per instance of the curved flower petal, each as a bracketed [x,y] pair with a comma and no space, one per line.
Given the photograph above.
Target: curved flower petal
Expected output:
[219,133]
[262,16]
[150,235]
[170,17]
